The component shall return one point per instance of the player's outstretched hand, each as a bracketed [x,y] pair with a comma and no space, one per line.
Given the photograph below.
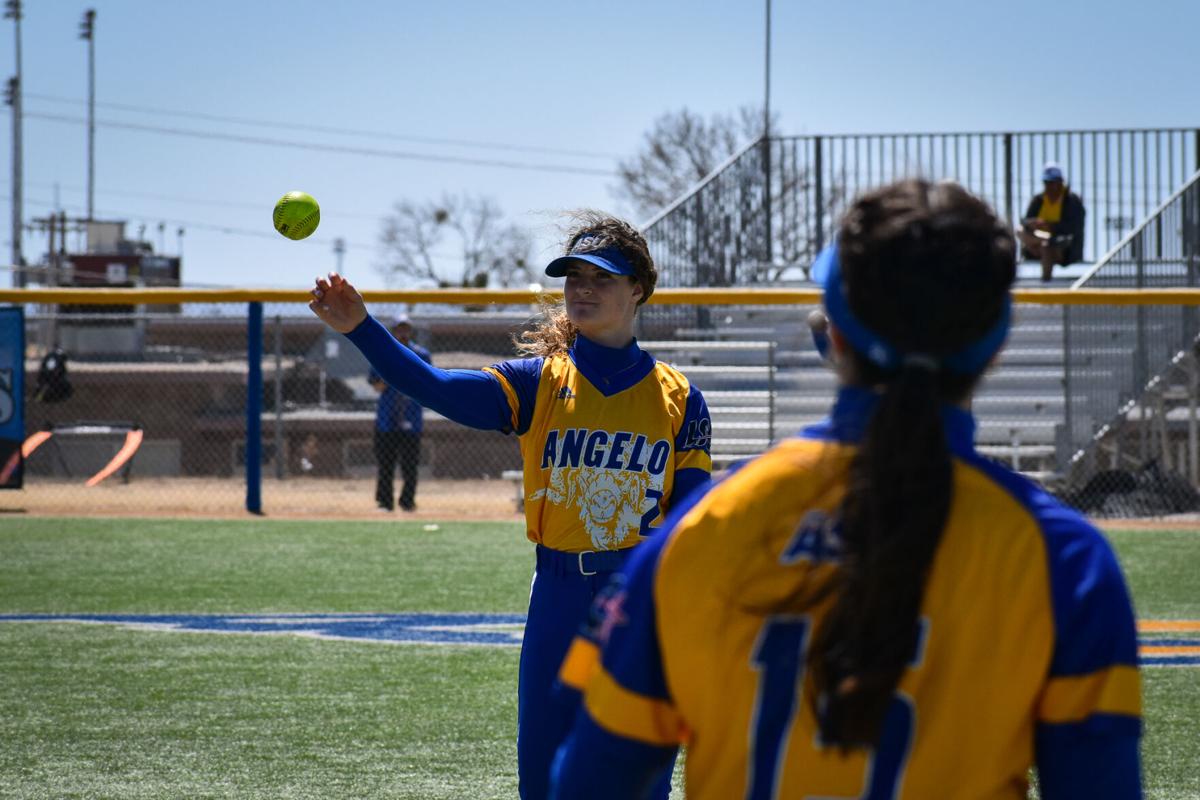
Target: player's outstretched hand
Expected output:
[338,303]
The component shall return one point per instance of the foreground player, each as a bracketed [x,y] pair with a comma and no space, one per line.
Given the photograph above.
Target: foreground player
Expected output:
[872,609]
[610,440]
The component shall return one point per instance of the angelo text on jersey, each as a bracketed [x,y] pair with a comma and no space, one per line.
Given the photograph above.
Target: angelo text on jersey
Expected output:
[622,450]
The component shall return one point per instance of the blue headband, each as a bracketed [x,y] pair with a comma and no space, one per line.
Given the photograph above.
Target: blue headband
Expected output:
[970,360]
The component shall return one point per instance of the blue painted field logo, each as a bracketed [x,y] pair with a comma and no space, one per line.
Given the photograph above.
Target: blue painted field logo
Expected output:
[488,630]
[1161,643]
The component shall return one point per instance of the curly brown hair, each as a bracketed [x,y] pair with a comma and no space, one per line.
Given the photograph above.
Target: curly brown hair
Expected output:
[555,333]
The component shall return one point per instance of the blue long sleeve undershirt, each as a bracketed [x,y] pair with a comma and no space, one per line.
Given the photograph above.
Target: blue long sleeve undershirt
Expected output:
[467,396]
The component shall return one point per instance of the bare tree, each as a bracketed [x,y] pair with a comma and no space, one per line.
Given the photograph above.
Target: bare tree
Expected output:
[756,223]
[679,150]
[491,252]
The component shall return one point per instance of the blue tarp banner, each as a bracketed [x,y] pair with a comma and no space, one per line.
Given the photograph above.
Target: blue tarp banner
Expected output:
[12,396]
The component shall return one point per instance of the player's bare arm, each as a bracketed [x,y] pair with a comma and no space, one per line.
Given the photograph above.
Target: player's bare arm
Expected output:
[338,303]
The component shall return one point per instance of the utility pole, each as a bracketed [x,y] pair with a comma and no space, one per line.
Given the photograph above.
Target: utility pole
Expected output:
[87,31]
[339,250]
[12,10]
[767,78]
[766,142]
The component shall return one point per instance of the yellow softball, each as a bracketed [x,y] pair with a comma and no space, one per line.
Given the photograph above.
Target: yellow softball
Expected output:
[296,215]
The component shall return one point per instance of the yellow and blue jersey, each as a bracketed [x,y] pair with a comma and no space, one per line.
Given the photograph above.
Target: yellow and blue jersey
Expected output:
[1027,654]
[604,435]
[610,438]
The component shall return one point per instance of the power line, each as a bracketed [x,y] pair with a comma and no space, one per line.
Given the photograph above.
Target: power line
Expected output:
[188,200]
[189,224]
[214,227]
[361,151]
[275,124]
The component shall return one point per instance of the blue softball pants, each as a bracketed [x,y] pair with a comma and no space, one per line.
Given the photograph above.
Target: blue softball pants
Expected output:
[564,586]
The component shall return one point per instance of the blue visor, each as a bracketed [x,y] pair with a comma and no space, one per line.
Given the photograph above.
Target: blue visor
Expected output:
[609,259]
[970,360]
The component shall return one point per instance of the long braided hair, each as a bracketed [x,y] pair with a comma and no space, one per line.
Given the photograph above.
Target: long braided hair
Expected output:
[926,266]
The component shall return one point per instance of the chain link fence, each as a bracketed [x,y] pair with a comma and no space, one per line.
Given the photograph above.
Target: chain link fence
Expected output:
[175,379]
[1130,438]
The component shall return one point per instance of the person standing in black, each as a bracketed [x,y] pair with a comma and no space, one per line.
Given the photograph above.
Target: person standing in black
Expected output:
[398,423]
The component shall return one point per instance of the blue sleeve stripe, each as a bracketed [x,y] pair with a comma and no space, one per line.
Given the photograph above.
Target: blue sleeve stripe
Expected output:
[523,376]
[687,481]
[1093,615]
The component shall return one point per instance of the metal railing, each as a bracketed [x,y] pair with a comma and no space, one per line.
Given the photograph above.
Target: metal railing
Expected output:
[721,226]
[738,379]
[763,215]
[1128,371]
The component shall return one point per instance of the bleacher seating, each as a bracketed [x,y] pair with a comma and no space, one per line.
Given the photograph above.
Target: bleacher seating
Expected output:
[1019,406]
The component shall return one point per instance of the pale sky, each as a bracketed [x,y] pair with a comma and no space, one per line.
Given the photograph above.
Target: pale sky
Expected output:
[566,87]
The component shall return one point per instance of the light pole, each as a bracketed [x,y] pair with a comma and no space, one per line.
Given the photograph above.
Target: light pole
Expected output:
[767,79]
[87,31]
[766,141]
[12,10]
[339,250]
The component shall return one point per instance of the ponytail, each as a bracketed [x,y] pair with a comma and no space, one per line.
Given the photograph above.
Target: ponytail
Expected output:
[892,520]
[924,307]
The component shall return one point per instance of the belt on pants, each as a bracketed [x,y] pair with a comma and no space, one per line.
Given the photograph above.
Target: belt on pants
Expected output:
[589,562]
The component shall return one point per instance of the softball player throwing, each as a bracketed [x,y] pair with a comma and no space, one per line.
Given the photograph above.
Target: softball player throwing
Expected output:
[610,439]
[885,613]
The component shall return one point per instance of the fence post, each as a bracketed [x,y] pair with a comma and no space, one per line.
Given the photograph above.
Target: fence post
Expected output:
[1063,459]
[818,193]
[1008,178]
[770,259]
[279,457]
[254,393]
[770,393]
[1193,371]
[1140,367]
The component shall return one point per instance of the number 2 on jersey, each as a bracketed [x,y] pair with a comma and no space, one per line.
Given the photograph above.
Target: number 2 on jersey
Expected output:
[779,656]
[652,514]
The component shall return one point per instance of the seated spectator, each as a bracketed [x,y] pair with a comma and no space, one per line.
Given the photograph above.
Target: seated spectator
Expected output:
[1052,229]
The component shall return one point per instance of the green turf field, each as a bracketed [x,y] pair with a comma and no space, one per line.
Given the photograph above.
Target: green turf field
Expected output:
[103,711]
